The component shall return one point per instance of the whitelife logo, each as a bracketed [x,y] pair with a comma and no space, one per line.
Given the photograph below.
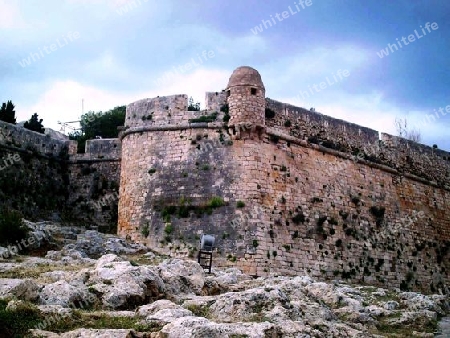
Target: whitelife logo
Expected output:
[316,88]
[9,161]
[411,38]
[59,43]
[125,6]
[280,17]
[181,69]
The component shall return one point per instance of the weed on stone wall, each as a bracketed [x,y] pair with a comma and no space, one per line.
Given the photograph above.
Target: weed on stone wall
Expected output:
[184,209]
[378,213]
[299,218]
[205,118]
[240,204]
[269,113]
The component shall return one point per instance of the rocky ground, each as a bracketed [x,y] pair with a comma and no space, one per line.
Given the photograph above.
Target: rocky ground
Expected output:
[98,285]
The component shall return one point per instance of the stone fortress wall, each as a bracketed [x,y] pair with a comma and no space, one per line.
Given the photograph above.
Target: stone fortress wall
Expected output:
[49,179]
[94,190]
[284,189]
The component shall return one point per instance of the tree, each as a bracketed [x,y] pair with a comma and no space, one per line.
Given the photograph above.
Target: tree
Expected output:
[193,106]
[7,112]
[35,124]
[99,125]
[401,125]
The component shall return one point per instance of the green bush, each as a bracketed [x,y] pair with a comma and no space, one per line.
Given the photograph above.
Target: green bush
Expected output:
[216,202]
[168,229]
[12,227]
[205,118]
[16,323]
[225,108]
[145,231]
[240,204]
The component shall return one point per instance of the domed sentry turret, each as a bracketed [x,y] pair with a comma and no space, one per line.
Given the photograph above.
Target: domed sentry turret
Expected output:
[246,100]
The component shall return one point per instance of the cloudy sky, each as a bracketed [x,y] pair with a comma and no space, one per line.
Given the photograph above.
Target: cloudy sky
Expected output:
[55,53]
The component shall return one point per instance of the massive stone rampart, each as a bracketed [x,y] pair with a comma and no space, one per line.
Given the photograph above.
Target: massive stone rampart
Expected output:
[302,192]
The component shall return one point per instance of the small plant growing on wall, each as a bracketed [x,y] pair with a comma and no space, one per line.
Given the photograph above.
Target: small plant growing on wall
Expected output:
[321,220]
[378,213]
[167,212]
[152,171]
[216,202]
[255,243]
[225,108]
[168,229]
[205,118]
[269,113]
[333,221]
[287,123]
[240,204]
[274,138]
[145,231]
[355,200]
[231,258]
[298,218]
[343,214]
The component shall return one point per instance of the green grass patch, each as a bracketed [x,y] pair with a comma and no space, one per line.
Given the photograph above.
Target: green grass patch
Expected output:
[15,324]
[99,320]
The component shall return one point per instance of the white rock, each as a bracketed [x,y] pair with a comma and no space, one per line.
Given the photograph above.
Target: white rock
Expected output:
[165,316]
[182,276]
[107,259]
[64,294]
[124,286]
[189,327]
[25,289]
[391,305]
[149,309]
[55,310]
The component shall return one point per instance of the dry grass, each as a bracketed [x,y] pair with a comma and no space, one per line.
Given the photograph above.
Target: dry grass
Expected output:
[35,271]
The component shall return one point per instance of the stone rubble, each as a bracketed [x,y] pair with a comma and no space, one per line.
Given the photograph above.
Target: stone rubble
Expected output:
[176,298]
